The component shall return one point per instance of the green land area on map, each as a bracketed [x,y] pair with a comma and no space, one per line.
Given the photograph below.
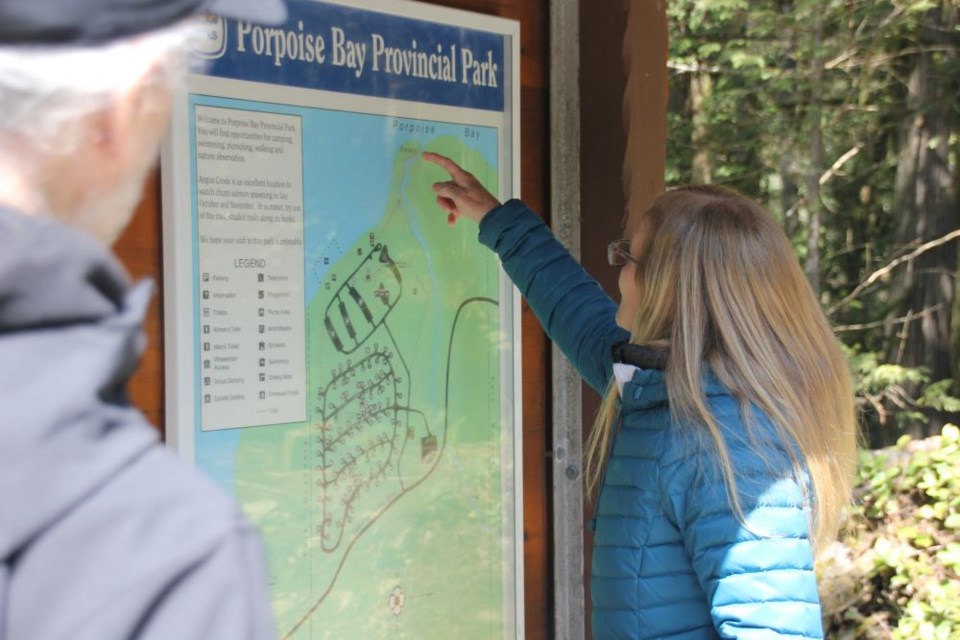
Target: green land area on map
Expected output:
[383,513]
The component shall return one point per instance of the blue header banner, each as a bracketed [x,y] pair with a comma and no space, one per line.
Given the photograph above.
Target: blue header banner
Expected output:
[347,50]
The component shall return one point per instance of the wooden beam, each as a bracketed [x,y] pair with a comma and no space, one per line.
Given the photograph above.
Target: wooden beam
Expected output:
[644,106]
[567,401]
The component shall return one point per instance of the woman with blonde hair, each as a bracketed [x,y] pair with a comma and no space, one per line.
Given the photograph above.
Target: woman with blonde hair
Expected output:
[724,452]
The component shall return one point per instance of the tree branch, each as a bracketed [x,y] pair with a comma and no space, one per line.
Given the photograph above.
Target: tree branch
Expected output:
[847,62]
[832,171]
[682,67]
[879,273]
[882,323]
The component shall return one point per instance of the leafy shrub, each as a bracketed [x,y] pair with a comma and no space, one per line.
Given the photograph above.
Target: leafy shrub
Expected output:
[895,573]
[894,397]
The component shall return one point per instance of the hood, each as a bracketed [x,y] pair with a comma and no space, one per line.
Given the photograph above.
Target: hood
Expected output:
[70,336]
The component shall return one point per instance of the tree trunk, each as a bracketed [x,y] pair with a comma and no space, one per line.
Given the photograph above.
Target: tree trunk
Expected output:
[815,162]
[789,163]
[701,85]
[926,202]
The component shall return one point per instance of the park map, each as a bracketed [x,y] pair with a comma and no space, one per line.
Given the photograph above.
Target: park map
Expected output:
[382,512]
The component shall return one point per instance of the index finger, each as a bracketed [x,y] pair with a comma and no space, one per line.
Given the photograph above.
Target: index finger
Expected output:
[447,164]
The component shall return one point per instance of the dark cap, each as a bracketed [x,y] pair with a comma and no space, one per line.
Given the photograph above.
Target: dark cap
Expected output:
[90,22]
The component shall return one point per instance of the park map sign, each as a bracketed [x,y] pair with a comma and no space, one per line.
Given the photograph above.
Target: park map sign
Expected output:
[339,358]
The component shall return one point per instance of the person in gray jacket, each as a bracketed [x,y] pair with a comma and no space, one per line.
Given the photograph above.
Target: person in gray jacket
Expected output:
[104,534]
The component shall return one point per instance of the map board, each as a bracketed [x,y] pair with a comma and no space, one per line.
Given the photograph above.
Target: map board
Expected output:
[339,358]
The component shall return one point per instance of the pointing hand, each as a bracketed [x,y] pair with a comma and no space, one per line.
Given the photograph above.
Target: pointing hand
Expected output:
[463,195]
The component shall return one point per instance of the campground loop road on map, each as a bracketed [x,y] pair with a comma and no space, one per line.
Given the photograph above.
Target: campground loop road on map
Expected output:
[399,465]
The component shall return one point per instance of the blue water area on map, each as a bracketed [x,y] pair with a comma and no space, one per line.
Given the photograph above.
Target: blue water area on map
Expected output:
[348,160]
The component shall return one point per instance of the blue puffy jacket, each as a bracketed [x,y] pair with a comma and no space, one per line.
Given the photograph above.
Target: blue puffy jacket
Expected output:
[671,559]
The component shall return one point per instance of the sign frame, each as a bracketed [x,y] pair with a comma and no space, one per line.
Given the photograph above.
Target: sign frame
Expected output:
[180,254]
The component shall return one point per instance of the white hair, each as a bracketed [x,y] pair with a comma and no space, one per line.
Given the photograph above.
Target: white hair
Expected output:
[45,90]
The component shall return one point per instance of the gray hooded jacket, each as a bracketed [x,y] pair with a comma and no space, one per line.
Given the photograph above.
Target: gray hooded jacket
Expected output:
[104,534]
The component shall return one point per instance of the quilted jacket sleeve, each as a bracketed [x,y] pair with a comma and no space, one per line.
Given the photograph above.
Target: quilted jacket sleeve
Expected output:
[572,307]
[758,575]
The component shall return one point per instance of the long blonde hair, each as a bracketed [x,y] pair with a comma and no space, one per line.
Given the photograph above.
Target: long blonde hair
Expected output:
[718,280]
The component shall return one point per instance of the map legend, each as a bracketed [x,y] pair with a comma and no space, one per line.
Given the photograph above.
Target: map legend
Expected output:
[250,229]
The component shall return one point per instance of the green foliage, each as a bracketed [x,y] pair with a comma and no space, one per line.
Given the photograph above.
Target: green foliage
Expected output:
[937,396]
[879,384]
[883,376]
[896,571]
[801,104]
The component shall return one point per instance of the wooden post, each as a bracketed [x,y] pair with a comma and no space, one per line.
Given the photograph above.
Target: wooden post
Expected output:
[565,221]
[644,106]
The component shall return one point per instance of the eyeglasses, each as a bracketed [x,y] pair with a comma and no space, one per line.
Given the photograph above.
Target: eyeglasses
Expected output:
[618,253]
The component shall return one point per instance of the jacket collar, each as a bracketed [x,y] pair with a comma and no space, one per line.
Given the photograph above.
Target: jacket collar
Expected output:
[70,336]
[648,387]
[52,274]
[641,355]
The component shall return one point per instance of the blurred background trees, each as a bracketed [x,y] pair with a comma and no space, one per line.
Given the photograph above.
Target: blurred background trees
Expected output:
[842,117]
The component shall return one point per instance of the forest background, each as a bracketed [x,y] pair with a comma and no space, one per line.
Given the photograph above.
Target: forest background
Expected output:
[842,117]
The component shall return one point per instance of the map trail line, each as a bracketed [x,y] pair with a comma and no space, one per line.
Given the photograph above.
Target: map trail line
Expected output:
[309,613]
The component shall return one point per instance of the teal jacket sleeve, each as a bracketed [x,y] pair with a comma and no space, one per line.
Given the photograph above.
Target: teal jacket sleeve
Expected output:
[572,307]
[758,575]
